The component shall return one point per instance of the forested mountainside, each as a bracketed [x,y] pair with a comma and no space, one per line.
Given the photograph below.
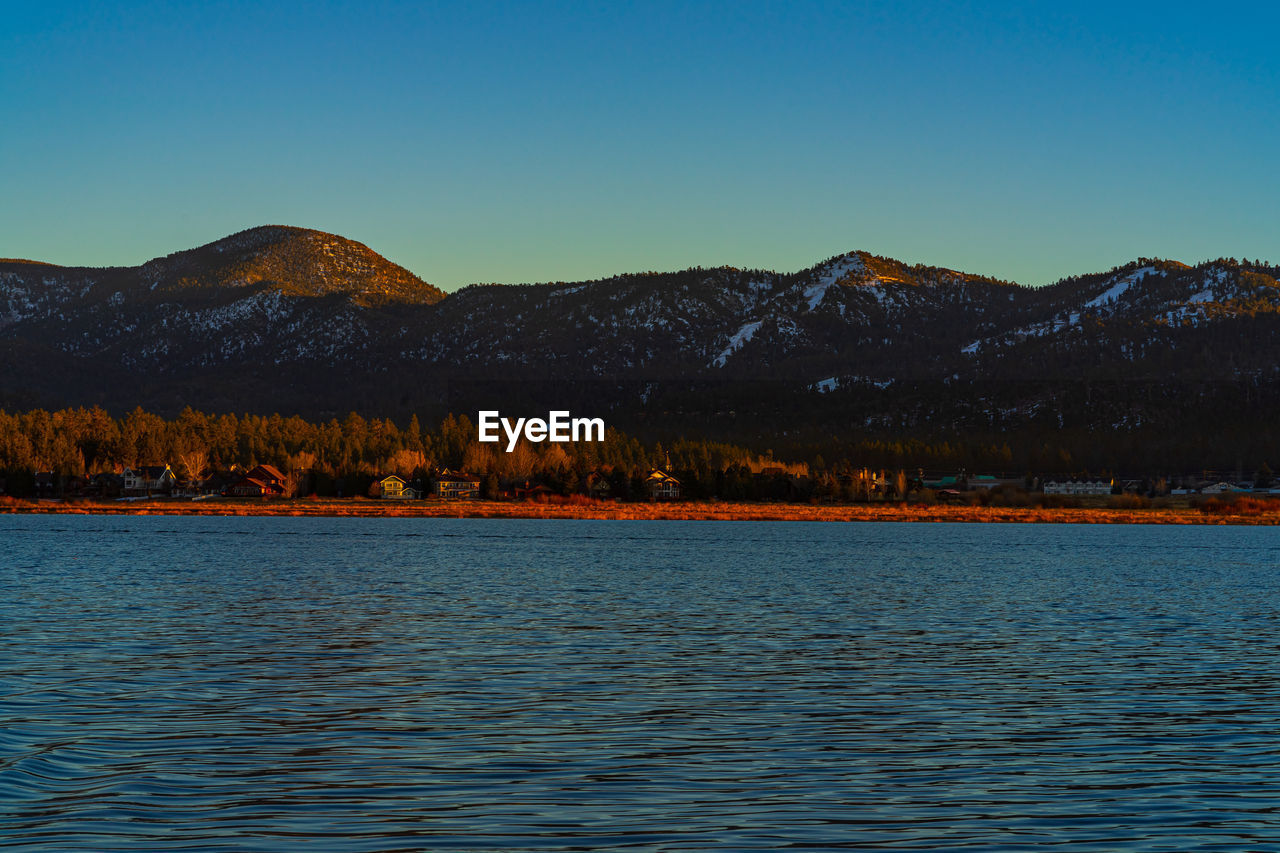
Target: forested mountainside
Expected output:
[298,321]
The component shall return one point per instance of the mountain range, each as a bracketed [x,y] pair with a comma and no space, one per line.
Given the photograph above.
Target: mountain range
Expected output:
[293,320]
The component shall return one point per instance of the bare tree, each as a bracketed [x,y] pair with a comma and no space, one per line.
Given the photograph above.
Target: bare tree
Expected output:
[194,461]
[292,479]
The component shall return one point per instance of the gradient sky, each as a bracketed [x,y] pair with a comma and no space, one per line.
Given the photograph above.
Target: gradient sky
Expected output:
[541,141]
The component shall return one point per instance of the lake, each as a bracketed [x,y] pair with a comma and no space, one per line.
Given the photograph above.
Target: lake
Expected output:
[271,684]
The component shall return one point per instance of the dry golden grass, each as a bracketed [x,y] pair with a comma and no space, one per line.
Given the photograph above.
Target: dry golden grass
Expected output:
[1248,513]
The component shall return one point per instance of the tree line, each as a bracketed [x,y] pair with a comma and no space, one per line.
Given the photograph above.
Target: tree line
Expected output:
[344,456]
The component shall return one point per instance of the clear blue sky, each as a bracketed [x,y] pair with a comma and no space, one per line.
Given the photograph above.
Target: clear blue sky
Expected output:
[536,141]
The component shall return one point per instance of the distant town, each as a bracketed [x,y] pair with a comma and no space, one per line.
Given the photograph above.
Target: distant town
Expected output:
[89,455]
[267,482]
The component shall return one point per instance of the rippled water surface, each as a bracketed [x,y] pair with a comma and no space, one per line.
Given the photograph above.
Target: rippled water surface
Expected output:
[403,684]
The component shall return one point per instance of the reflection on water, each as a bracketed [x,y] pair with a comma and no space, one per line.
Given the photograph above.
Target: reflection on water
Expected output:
[402,684]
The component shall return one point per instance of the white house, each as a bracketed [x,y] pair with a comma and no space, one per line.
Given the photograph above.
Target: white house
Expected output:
[149,478]
[1078,487]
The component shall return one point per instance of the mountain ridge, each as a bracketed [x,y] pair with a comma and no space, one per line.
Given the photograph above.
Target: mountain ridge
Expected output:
[277,318]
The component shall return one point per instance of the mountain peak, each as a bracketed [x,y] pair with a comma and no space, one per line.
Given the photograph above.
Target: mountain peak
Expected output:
[296,261]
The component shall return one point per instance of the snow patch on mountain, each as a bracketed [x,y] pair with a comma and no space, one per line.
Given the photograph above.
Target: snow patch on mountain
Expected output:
[837,272]
[1115,291]
[740,337]
[831,383]
[822,386]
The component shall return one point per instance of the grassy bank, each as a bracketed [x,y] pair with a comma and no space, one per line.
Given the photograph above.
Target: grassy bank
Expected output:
[1243,513]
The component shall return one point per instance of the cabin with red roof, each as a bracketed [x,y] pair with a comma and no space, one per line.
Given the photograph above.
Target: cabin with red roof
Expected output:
[264,481]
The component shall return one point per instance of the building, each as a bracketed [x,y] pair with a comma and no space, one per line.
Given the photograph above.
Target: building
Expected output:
[146,479]
[597,485]
[264,481]
[1224,488]
[106,485]
[45,484]
[1078,487]
[529,493]
[456,484]
[662,486]
[397,489]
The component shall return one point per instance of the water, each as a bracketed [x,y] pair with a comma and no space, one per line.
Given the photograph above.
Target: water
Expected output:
[416,684]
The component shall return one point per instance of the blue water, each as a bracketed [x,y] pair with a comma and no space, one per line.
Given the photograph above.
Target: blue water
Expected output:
[407,684]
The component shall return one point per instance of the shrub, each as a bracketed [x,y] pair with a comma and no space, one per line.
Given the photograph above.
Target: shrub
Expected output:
[1233,505]
[1008,495]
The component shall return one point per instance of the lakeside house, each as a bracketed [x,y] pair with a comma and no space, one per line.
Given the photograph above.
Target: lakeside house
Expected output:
[456,484]
[1078,487]
[146,479]
[264,481]
[662,486]
[596,485]
[528,492]
[395,488]
[1224,488]
[106,484]
[985,481]
[214,483]
[949,483]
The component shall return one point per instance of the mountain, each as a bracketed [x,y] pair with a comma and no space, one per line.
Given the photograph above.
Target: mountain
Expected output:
[264,296]
[293,320]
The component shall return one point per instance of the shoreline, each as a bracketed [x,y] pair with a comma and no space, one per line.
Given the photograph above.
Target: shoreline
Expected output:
[606,511]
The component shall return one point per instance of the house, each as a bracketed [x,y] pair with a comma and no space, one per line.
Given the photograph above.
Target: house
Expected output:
[106,484]
[661,485]
[949,482]
[264,481]
[1222,488]
[597,485]
[145,479]
[528,493]
[215,483]
[395,488]
[451,484]
[252,487]
[187,488]
[271,474]
[45,483]
[1078,487]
